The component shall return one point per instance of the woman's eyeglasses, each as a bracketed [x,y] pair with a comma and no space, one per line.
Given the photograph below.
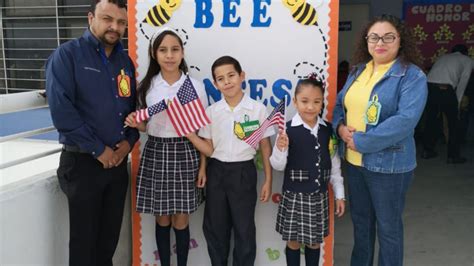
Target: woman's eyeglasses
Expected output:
[374,38]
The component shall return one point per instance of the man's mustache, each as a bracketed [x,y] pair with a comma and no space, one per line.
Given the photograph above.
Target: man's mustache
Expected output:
[112,31]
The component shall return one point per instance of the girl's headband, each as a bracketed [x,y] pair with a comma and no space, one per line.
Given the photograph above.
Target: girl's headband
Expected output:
[164,29]
[157,33]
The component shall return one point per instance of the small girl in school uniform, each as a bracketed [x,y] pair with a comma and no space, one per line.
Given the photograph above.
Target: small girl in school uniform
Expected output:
[304,153]
[169,166]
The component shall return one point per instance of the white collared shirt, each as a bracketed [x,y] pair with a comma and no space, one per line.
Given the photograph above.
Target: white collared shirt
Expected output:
[160,125]
[227,146]
[279,158]
[453,69]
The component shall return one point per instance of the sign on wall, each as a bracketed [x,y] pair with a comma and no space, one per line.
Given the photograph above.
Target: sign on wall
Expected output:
[439,25]
[277,43]
[345,25]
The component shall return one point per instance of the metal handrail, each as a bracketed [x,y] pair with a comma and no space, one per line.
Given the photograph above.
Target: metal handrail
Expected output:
[19,89]
[43,7]
[30,49]
[23,69]
[27,134]
[45,28]
[22,79]
[44,17]
[31,157]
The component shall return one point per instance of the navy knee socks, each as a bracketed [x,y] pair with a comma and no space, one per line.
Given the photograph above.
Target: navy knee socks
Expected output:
[162,235]
[182,245]
[292,256]
[311,256]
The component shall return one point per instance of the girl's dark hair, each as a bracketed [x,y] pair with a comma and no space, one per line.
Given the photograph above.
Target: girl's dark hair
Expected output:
[312,81]
[226,60]
[154,67]
[309,81]
[408,51]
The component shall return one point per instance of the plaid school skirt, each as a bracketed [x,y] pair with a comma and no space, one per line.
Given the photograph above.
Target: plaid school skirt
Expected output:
[166,181]
[303,217]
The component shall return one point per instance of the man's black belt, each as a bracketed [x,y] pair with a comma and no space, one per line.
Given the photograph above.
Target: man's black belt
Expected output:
[71,148]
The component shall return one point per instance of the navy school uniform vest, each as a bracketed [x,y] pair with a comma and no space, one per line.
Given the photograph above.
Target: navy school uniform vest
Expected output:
[308,165]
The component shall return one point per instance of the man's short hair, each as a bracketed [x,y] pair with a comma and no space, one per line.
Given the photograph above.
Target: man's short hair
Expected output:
[119,3]
[460,48]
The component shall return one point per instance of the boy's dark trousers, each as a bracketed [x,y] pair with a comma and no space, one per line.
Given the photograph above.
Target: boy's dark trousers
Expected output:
[231,196]
[441,99]
[96,198]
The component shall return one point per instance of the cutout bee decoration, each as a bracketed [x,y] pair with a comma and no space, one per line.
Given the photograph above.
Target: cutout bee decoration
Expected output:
[306,15]
[302,12]
[161,13]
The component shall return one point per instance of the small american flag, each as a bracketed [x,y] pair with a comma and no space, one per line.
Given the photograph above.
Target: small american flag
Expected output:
[144,114]
[277,117]
[186,111]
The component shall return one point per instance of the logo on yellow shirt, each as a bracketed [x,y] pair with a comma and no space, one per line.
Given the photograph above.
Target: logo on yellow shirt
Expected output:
[373,111]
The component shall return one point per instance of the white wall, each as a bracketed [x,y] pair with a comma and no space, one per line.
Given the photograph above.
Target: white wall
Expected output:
[34,226]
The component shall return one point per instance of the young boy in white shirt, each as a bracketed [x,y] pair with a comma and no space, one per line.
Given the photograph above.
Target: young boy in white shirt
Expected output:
[231,194]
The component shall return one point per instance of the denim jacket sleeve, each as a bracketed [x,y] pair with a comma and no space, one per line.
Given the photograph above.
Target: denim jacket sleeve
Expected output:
[411,102]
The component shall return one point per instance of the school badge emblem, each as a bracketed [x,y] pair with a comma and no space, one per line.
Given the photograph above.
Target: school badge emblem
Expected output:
[123,84]
[246,128]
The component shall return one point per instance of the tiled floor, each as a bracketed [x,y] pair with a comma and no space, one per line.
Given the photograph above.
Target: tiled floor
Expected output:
[439,216]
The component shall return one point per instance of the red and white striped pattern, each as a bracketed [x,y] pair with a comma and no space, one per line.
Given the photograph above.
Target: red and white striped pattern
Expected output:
[257,135]
[142,115]
[186,111]
[187,118]
[276,117]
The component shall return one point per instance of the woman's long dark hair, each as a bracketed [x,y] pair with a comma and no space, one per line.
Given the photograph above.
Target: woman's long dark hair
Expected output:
[154,67]
[408,51]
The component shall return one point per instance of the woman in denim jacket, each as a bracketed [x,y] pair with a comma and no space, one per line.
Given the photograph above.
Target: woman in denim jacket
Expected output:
[375,115]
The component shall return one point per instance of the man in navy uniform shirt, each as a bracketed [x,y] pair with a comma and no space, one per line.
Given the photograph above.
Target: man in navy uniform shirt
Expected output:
[90,83]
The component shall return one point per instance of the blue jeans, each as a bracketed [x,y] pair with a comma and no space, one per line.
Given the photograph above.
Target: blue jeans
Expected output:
[376,202]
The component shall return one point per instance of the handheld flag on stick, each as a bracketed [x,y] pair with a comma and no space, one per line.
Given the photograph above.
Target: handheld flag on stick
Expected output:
[277,117]
[144,114]
[186,111]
